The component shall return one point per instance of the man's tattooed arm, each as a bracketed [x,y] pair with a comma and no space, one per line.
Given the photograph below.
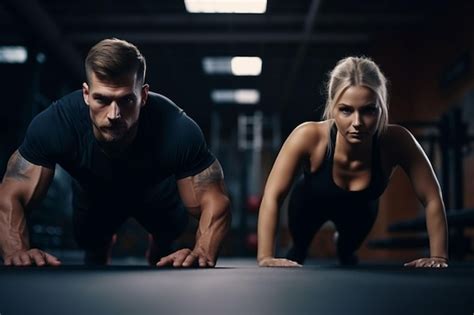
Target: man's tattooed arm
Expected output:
[22,184]
[17,167]
[205,196]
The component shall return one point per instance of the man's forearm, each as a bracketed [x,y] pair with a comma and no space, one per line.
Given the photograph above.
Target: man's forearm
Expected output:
[23,184]
[213,226]
[13,228]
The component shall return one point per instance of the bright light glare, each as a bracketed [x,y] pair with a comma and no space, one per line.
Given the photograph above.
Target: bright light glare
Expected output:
[247,96]
[246,65]
[239,66]
[243,96]
[13,54]
[226,6]
[222,96]
[216,65]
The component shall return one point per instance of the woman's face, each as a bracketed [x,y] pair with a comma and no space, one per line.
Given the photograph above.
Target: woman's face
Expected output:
[357,114]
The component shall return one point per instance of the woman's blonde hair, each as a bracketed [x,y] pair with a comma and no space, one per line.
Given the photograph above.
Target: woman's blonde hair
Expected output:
[357,71]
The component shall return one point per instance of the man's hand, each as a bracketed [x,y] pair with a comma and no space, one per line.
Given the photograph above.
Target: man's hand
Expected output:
[31,257]
[433,262]
[277,262]
[187,258]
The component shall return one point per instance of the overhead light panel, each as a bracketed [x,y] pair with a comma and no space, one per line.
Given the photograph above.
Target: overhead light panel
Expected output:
[242,96]
[13,54]
[217,65]
[240,66]
[246,65]
[223,96]
[226,6]
[247,96]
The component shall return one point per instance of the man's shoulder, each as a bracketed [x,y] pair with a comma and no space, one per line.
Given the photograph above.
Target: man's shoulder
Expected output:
[163,116]
[69,110]
[52,133]
[73,100]
[164,113]
[159,102]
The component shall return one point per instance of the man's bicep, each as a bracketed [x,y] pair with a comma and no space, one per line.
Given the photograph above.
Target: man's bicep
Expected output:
[210,177]
[18,168]
[194,188]
[25,180]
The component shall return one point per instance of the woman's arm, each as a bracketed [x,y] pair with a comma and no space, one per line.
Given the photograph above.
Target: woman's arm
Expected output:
[416,165]
[295,148]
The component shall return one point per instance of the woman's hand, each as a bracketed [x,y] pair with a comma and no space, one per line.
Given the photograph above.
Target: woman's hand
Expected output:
[432,262]
[277,262]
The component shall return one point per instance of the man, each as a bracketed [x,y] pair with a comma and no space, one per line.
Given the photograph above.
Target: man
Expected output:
[132,152]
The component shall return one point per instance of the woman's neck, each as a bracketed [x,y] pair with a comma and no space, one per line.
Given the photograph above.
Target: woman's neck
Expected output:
[348,152]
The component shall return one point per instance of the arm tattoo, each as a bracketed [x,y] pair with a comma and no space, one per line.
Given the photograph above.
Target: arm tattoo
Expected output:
[211,175]
[17,167]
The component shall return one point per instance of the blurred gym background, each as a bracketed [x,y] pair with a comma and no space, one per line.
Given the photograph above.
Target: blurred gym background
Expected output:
[248,75]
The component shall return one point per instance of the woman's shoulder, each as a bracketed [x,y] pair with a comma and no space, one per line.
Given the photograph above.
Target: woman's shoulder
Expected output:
[312,130]
[397,141]
[396,134]
[308,136]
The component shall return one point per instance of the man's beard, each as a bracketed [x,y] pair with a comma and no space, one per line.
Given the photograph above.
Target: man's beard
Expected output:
[113,143]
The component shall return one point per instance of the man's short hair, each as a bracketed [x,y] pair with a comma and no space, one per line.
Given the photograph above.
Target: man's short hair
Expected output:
[113,58]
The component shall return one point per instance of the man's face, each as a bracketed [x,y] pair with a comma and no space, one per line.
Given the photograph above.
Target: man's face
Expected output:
[114,106]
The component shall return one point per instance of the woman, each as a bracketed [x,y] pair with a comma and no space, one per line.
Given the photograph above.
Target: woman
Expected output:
[348,160]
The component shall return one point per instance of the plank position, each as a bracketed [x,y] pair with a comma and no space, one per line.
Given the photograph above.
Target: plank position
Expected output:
[132,153]
[348,160]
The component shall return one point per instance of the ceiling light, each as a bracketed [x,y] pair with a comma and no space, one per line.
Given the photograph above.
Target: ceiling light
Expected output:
[226,6]
[222,96]
[246,65]
[240,66]
[217,65]
[242,96]
[13,54]
[247,96]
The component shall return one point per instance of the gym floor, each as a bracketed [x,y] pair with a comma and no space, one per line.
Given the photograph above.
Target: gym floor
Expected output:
[237,286]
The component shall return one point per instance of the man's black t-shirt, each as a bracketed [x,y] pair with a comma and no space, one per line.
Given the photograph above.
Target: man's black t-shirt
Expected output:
[168,143]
